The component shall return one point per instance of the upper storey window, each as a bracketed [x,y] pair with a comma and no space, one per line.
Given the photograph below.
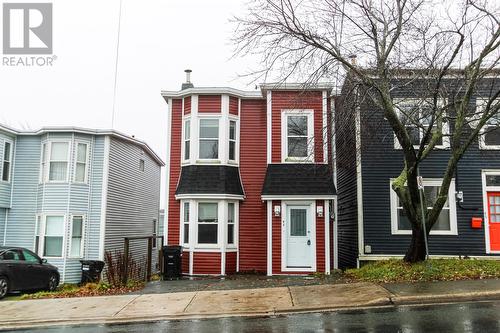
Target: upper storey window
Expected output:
[297,135]
[209,138]
[232,140]
[490,133]
[58,165]
[416,116]
[187,138]
[7,157]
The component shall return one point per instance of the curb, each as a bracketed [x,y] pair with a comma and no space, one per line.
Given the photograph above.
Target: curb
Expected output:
[379,302]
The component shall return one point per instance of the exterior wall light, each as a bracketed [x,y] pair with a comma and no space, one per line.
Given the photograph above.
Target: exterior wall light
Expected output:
[277,210]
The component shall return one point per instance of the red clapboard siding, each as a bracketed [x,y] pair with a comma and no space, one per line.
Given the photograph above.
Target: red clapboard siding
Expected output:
[276,239]
[206,262]
[175,168]
[320,240]
[297,100]
[187,105]
[209,103]
[230,262]
[233,105]
[185,262]
[253,164]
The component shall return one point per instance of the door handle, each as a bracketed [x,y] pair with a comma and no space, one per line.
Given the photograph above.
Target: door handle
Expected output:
[308,242]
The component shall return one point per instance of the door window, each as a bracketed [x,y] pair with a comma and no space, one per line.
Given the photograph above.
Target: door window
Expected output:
[14,255]
[494,204]
[30,257]
[298,222]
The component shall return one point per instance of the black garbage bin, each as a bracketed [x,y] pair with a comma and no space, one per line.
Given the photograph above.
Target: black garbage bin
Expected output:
[172,262]
[91,270]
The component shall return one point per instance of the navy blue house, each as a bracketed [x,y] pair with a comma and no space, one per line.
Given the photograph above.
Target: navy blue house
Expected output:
[371,223]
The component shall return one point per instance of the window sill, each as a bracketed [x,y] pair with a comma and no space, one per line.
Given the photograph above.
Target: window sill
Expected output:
[207,161]
[441,147]
[432,233]
[486,147]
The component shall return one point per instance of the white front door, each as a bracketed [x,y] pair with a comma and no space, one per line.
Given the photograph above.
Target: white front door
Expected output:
[299,244]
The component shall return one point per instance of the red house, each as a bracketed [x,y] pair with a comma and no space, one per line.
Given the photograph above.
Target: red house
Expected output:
[250,183]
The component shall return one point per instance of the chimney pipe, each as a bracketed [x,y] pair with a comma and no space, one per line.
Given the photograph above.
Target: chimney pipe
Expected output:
[188,83]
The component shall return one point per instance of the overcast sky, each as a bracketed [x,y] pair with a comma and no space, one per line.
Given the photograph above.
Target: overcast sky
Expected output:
[158,40]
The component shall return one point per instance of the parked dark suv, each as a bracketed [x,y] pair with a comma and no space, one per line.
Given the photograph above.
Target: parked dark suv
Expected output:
[21,269]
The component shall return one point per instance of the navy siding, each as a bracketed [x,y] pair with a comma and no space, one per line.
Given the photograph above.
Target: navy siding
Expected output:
[381,162]
[347,220]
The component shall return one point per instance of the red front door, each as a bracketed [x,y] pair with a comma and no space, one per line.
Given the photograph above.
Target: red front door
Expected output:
[494,220]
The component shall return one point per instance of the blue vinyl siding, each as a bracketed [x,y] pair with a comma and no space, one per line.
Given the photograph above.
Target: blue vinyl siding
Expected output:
[3,211]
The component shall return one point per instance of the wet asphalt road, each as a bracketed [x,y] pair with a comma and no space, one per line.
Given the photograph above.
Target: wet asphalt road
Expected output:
[481,317]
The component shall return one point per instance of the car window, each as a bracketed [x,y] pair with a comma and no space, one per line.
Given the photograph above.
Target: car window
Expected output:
[30,257]
[11,255]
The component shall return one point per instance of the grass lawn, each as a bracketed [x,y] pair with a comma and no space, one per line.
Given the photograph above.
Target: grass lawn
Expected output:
[431,270]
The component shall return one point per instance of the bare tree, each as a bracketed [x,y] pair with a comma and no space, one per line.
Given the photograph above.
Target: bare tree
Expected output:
[451,46]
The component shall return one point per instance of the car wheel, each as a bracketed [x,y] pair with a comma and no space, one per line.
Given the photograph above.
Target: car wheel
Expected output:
[53,282]
[4,287]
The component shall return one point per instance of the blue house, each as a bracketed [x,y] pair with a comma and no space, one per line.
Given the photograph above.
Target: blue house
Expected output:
[372,225]
[72,193]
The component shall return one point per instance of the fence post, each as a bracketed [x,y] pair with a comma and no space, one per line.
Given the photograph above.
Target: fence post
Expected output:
[125,261]
[150,253]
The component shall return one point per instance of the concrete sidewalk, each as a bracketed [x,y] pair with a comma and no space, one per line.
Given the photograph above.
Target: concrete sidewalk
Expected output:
[245,302]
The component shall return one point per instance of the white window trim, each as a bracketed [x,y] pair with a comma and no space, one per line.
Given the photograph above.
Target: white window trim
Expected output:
[480,104]
[235,223]
[220,139]
[41,242]
[9,161]
[487,189]
[182,222]
[452,208]
[86,175]
[183,149]
[49,160]
[222,224]
[236,140]
[284,135]
[82,247]
[220,218]
[446,126]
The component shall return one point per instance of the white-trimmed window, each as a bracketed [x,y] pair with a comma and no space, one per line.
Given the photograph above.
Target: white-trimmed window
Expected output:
[38,233]
[58,161]
[297,135]
[81,158]
[447,221]
[209,139]
[7,161]
[77,230]
[43,162]
[53,236]
[185,223]
[416,115]
[232,140]
[231,217]
[489,137]
[208,220]
[187,139]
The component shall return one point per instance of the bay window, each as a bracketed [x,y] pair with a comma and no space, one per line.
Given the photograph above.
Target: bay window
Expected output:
[7,160]
[232,140]
[53,236]
[446,223]
[81,162]
[187,139]
[209,138]
[76,247]
[230,223]
[297,130]
[185,224]
[208,222]
[58,163]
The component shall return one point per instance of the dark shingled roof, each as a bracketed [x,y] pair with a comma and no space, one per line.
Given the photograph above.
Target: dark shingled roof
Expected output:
[298,179]
[209,179]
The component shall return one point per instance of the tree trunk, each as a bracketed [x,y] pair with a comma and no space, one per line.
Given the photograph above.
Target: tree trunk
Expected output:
[416,251]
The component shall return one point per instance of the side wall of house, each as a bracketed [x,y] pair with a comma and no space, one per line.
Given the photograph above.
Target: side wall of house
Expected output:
[347,219]
[133,198]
